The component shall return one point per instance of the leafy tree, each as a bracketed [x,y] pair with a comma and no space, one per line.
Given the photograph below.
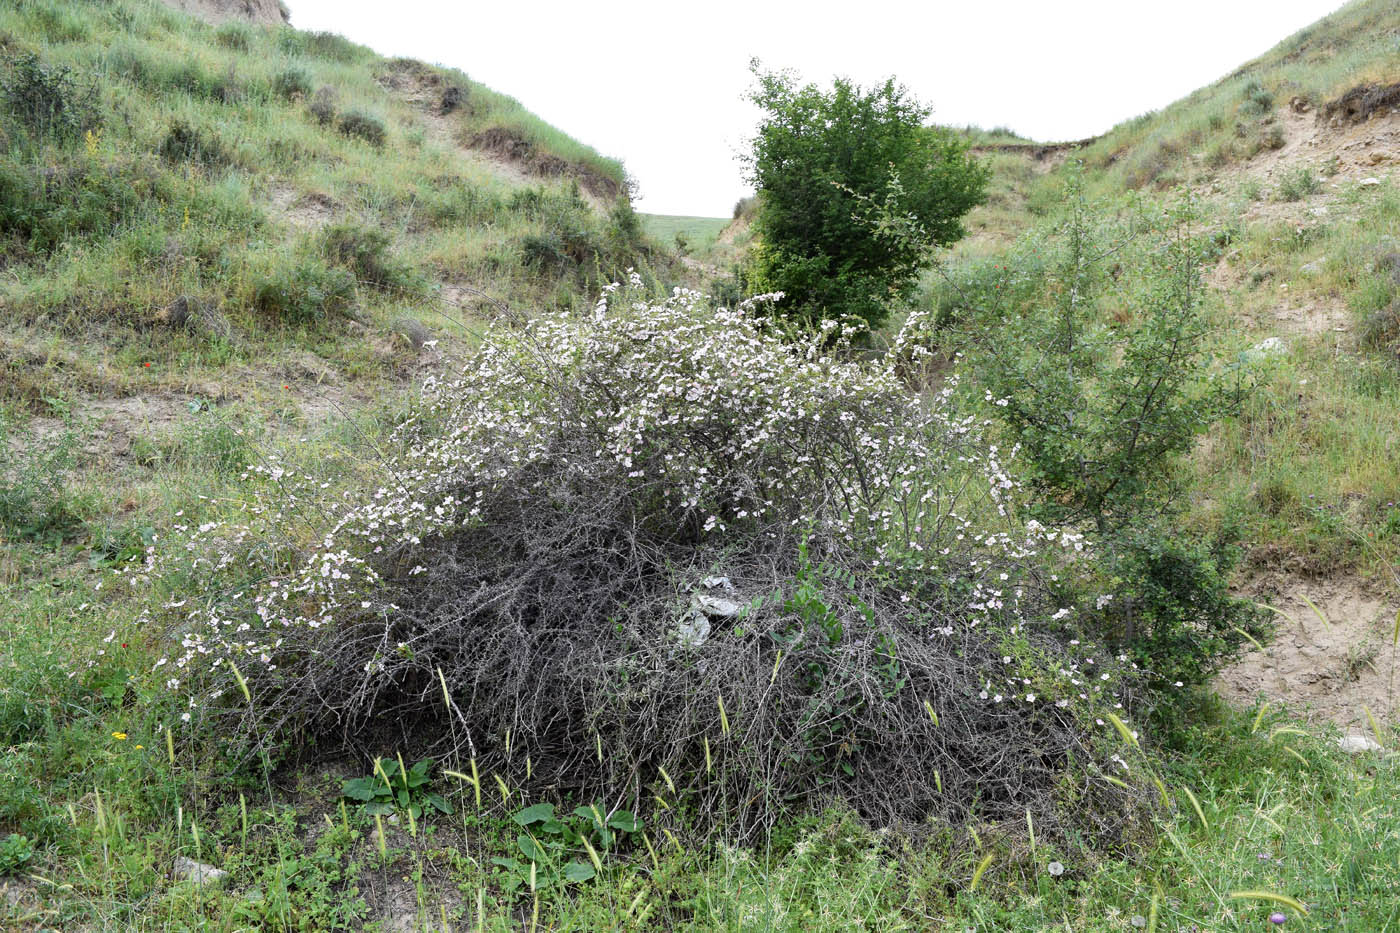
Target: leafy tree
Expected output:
[819,160]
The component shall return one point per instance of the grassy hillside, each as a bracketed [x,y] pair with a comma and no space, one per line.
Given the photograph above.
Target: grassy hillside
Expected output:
[284,185]
[232,256]
[1235,119]
[1304,204]
[697,233]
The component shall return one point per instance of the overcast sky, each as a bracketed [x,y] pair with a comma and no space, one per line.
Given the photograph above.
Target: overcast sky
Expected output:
[660,84]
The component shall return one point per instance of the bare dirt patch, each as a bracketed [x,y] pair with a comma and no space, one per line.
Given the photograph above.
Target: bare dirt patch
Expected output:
[269,12]
[502,151]
[1325,672]
[1043,156]
[1340,150]
[303,211]
[1310,318]
[108,426]
[509,145]
[1361,103]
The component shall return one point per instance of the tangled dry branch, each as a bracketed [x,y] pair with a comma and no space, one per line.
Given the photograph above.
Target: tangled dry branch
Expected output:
[656,552]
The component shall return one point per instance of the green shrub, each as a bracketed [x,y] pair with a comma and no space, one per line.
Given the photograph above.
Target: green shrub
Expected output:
[543,252]
[302,292]
[1172,606]
[1298,184]
[623,236]
[1255,100]
[36,503]
[234,35]
[322,106]
[1376,304]
[1221,154]
[292,82]
[1103,410]
[42,207]
[365,252]
[48,100]
[230,89]
[1100,411]
[360,125]
[186,144]
[826,164]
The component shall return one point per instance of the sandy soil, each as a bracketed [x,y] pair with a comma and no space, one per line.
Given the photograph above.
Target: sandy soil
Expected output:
[305,212]
[1324,671]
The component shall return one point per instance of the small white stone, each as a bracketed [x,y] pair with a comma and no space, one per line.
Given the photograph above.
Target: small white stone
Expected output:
[693,630]
[1369,182]
[1269,346]
[715,606]
[1357,744]
[187,869]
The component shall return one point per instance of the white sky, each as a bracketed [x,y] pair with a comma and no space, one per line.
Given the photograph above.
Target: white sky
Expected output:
[659,84]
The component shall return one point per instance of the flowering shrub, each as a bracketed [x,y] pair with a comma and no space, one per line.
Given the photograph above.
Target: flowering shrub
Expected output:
[655,547]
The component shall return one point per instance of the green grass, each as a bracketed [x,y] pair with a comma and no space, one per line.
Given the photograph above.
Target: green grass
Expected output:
[998,135]
[699,233]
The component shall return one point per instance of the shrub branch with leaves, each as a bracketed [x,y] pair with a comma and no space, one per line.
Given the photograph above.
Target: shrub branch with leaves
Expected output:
[1102,411]
[816,156]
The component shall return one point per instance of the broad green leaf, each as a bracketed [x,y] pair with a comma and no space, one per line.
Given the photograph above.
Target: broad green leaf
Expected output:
[439,803]
[361,789]
[624,821]
[577,871]
[537,813]
[530,848]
